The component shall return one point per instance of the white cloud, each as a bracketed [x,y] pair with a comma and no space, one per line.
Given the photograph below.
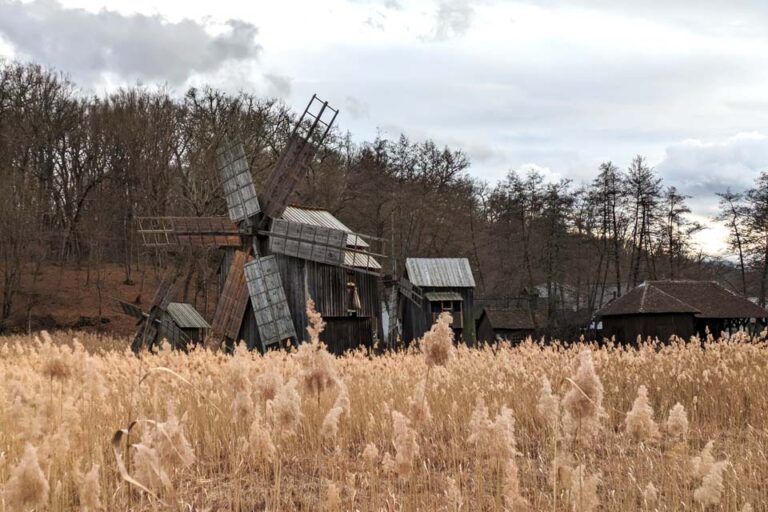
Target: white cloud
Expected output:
[134,47]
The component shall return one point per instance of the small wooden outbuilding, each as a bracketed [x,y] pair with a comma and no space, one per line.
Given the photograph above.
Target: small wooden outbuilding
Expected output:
[445,284]
[684,308]
[510,324]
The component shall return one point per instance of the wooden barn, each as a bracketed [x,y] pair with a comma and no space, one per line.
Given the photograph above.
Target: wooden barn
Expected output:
[683,308]
[347,296]
[510,324]
[444,284]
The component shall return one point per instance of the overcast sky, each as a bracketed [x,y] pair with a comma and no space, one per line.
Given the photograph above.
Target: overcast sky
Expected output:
[559,85]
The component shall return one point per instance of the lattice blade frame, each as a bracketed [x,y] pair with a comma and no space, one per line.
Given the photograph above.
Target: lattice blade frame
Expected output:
[270,306]
[308,242]
[307,135]
[236,179]
[168,232]
[131,310]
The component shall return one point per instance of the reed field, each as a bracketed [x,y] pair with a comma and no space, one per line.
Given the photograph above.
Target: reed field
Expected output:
[87,425]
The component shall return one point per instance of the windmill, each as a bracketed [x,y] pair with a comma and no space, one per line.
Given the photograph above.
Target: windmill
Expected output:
[270,246]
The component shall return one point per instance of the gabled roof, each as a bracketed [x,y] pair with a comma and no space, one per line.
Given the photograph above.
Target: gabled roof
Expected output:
[186,316]
[440,272]
[513,319]
[711,299]
[324,218]
[645,299]
[704,299]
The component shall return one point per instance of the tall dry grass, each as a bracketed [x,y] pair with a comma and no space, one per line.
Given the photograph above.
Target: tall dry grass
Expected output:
[680,426]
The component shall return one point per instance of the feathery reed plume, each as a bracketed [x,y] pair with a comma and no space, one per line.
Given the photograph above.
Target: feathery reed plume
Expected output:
[494,439]
[173,448]
[511,488]
[260,444]
[268,384]
[437,344]
[650,496]
[583,403]
[639,420]
[548,405]
[388,463]
[342,399]
[404,438]
[370,455]
[57,361]
[27,487]
[318,371]
[242,408]
[584,490]
[711,488]
[677,422]
[316,323]
[332,497]
[148,469]
[341,406]
[286,407]
[747,508]
[418,406]
[330,426]
[453,494]
[90,491]
[701,464]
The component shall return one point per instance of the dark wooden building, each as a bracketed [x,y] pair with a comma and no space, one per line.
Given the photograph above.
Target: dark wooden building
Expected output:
[346,296]
[445,284]
[189,320]
[497,324]
[683,308]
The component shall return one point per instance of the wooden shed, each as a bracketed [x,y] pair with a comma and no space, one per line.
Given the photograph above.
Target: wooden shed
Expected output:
[510,324]
[683,308]
[348,296]
[445,284]
[189,320]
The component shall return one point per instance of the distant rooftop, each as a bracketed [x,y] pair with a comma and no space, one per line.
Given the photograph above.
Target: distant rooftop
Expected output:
[704,299]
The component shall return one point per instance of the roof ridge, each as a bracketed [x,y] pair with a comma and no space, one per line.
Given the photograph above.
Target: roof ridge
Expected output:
[641,309]
[681,301]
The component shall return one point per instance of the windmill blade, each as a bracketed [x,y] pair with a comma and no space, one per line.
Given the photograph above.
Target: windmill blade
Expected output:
[270,306]
[308,134]
[172,232]
[230,308]
[237,182]
[131,310]
[165,292]
[309,242]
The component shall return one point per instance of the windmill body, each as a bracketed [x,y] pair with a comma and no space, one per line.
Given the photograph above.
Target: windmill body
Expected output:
[278,256]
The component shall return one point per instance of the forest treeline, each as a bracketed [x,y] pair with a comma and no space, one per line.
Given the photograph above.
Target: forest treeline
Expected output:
[76,170]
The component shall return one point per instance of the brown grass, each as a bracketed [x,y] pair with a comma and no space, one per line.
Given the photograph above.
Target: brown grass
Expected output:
[218,432]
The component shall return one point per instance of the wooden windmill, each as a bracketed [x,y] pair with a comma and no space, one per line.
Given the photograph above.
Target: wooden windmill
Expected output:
[267,250]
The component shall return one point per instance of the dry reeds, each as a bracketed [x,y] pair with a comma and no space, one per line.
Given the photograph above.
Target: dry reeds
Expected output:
[445,427]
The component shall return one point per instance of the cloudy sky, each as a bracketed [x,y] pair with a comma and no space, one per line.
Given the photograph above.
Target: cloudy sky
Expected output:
[559,85]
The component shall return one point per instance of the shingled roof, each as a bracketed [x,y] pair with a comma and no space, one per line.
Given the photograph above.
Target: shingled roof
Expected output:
[704,299]
[511,319]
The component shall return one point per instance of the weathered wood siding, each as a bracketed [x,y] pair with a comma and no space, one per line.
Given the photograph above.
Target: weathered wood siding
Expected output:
[626,328]
[418,321]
